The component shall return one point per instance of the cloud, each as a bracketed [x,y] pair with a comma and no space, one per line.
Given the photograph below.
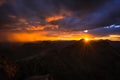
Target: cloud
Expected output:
[42,9]
[106,31]
[60,15]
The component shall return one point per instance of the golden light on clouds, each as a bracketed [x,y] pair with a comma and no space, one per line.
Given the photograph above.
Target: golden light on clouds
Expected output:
[32,36]
[41,28]
[12,16]
[29,37]
[42,36]
[24,37]
[22,20]
[110,37]
[35,28]
[54,18]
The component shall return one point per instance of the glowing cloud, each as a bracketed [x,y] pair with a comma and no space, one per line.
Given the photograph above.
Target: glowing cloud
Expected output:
[54,18]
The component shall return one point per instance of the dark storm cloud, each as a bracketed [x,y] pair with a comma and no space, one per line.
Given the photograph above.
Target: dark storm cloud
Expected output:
[105,14]
[85,14]
[6,9]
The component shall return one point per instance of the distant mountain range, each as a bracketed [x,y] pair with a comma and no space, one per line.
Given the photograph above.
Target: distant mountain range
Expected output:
[60,60]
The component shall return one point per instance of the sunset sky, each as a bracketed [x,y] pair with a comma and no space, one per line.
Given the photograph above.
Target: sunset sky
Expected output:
[35,20]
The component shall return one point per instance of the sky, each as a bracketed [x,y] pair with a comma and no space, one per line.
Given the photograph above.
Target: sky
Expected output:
[34,20]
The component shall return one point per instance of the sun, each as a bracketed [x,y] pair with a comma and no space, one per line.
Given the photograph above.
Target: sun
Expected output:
[86,39]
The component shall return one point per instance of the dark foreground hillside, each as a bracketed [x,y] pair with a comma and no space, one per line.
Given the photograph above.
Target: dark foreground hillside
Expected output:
[66,60]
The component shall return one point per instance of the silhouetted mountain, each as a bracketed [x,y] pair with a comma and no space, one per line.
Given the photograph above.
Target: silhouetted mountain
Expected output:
[85,61]
[61,60]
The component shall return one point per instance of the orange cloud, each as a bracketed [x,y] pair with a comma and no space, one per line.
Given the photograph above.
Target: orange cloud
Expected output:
[22,20]
[34,28]
[54,18]
[12,16]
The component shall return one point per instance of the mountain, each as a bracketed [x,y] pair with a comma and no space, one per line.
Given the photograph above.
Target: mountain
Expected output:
[63,60]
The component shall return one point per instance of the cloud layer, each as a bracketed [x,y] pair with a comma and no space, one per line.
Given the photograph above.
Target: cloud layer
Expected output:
[67,16]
